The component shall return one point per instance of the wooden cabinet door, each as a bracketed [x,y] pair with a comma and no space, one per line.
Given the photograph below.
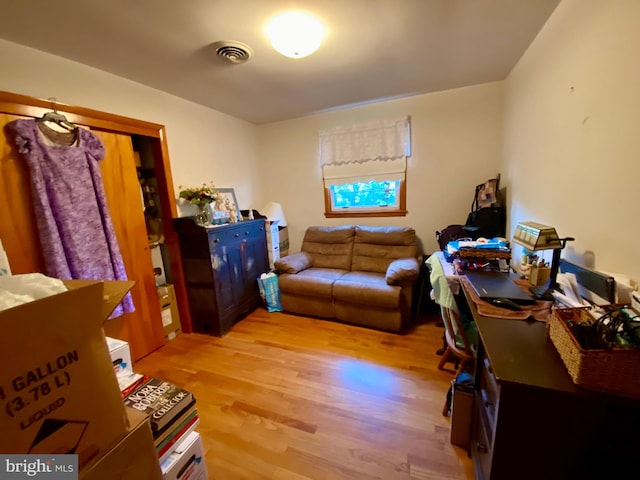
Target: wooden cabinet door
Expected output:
[19,234]
[142,328]
[227,273]
[18,228]
[254,259]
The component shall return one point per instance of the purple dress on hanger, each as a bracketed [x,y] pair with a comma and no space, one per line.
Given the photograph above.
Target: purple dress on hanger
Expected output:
[76,233]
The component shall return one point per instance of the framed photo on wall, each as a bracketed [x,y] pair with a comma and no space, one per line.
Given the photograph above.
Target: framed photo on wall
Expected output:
[225,208]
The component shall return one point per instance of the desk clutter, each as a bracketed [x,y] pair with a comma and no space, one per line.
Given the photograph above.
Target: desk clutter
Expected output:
[599,347]
[481,254]
[598,340]
[540,310]
[566,388]
[479,243]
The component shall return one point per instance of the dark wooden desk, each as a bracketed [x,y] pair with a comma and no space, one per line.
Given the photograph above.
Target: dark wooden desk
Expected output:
[531,422]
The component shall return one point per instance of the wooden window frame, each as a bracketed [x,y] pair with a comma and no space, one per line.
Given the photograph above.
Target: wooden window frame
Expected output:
[401,211]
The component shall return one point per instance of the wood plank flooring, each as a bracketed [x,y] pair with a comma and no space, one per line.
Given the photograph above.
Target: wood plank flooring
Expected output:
[290,398]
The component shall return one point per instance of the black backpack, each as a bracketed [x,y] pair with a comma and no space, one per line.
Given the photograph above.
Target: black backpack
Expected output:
[487,217]
[452,232]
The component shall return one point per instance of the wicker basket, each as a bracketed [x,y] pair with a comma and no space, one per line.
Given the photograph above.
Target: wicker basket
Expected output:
[615,371]
[481,253]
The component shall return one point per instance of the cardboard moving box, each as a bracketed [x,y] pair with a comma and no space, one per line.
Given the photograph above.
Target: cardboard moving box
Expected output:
[169,311]
[186,461]
[273,242]
[120,355]
[461,413]
[283,236]
[58,389]
[133,458]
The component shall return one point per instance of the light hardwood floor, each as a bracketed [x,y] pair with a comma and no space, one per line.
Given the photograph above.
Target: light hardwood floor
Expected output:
[289,397]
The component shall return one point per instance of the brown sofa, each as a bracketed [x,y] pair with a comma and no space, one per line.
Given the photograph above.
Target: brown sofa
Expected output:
[361,275]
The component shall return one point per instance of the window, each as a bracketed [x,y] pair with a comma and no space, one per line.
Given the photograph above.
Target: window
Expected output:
[364,169]
[366,199]
[365,194]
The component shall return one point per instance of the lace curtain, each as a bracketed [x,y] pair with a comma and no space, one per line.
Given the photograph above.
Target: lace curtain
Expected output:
[375,150]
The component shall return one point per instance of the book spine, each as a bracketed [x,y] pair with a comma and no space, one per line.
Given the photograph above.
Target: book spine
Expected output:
[161,401]
[149,395]
[168,408]
[177,431]
[189,427]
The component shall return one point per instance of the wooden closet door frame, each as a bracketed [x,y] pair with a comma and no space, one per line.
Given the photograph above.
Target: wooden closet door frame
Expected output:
[24,105]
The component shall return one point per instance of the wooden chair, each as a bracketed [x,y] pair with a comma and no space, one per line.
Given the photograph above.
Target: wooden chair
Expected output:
[457,344]
[456,340]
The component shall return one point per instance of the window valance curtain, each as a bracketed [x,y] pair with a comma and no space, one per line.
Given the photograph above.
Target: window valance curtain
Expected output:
[376,170]
[376,140]
[375,150]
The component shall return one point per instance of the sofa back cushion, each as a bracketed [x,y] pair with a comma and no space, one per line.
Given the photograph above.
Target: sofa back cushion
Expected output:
[376,247]
[329,247]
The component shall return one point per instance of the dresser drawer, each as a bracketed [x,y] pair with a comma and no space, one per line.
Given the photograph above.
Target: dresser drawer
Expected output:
[481,449]
[223,237]
[489,395]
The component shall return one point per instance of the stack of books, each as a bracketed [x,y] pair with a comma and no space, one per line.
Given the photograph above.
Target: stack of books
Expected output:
[171,410]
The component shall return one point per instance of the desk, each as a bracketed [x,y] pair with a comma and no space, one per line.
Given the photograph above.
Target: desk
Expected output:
[531,422]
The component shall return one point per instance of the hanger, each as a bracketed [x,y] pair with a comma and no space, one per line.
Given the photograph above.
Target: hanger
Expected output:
[56,117]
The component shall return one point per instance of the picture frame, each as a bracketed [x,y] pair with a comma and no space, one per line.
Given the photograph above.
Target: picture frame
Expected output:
[225,207]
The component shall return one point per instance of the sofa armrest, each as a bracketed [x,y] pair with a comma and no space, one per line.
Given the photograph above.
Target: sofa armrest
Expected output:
[294,263]
[403,271]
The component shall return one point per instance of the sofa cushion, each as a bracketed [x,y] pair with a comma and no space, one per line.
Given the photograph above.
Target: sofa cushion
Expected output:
[314,282]
[403,271]
[329,247]
[366,288]
[376,247]
[294,263]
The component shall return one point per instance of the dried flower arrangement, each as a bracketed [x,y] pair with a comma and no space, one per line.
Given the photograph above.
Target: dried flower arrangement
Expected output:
[200,195]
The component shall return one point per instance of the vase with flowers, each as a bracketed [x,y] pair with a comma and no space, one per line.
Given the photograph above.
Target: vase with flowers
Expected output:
[201,197]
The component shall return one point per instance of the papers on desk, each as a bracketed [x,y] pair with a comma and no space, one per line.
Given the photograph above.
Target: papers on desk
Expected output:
[575,295]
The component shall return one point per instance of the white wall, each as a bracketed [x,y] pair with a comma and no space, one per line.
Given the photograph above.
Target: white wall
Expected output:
[572,136]
[456,140]
[204,144]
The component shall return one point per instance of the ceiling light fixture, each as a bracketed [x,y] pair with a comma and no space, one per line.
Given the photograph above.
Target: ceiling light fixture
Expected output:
[295,34]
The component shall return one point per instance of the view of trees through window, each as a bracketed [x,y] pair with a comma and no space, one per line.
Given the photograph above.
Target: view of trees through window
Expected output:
[365,195]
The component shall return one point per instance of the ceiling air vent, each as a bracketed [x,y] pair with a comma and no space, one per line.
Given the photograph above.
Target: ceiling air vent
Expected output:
[233,52]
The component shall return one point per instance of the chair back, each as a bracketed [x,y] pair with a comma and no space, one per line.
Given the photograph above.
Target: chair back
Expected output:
[455,336]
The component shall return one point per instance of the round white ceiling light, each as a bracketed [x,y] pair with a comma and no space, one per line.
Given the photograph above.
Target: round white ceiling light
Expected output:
[295,34]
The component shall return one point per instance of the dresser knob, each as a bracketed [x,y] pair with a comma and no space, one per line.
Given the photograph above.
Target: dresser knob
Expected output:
[481,448]
[236,235]
[216,240]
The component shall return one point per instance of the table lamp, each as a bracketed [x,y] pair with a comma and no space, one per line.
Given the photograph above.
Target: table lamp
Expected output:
[534,237]
[273,212]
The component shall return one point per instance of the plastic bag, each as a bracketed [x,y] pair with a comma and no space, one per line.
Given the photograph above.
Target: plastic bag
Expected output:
[269,291]
[27,287]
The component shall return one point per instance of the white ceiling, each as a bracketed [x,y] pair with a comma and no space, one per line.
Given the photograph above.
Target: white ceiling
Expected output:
[376,49]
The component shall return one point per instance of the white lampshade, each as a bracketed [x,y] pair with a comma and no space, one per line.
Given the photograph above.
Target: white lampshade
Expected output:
[295,34]
[273,211]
